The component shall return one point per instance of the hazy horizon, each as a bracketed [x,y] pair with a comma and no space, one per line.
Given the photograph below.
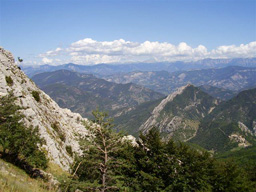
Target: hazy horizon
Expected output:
[129,31]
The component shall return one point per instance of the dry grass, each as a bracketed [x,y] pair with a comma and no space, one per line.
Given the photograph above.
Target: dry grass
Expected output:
[13,179]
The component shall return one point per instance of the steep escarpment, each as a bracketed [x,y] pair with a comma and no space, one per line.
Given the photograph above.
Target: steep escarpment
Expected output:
[178,116]
[58,127]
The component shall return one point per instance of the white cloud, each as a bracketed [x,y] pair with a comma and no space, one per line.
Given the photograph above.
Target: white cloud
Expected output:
[231,51]
[46,60]
[89,51]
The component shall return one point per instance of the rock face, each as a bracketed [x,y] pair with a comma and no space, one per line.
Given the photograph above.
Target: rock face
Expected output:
[156,112]
[178,116]
[58,127]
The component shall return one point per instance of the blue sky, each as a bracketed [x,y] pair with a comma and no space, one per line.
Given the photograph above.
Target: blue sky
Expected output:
[35,29]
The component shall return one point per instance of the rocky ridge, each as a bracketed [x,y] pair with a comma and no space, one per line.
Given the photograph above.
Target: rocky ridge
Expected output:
[156,112]
[178,116]
[60,128]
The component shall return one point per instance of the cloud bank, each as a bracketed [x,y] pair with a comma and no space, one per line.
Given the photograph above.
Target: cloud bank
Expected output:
[89,52]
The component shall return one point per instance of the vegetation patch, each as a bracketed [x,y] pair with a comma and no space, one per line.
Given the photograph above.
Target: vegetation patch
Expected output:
[152,165]
[36,95]
[9,80]
[19,144]
[14,179]
[69,150]
[56,128]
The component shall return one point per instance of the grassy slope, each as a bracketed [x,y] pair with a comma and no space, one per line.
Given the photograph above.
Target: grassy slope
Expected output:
[14,179]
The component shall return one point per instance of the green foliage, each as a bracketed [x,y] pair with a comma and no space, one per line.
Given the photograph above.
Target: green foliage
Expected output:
[227,176]
[245,158]
[20,60]
[14,179]
[56,128]
[9,80]
[69,150]
[36,95]
[215,128]
[154,165]
[18,143]
[131,120]
[95,170]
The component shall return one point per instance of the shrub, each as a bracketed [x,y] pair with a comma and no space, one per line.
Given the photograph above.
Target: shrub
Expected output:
[36,95]
[9,80]
[19,144]
[69,150]
[59,132]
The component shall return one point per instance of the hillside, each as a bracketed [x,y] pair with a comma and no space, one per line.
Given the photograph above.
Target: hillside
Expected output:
[231,125]
[58,127]
[219,93]
[83,93]
[231,78]
[177,116]
[132,120]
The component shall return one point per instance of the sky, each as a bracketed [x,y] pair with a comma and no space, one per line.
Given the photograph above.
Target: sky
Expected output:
[90,32]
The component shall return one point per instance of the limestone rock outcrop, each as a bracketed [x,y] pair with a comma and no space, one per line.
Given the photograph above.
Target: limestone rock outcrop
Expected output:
[60,128]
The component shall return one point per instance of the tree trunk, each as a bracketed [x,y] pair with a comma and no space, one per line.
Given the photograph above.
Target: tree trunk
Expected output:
[104,171]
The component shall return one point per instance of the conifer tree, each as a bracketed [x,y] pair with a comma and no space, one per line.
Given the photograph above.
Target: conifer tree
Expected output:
[98,164]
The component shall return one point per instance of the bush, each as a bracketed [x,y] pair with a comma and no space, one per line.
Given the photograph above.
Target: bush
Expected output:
[19,144]
[9,80]
[59,132]
[36,95]
[69,150]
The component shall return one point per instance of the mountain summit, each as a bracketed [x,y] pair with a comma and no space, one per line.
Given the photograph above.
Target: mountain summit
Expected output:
[179,114]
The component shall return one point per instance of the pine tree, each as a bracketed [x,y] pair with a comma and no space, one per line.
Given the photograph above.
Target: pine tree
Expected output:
[96,168]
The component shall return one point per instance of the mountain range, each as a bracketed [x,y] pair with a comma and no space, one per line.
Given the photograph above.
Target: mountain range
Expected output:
[188,114]
[84,93]
[110,69]
[232,78]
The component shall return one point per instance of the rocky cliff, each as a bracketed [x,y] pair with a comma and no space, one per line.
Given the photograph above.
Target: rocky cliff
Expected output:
[58,127]
[178,116]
